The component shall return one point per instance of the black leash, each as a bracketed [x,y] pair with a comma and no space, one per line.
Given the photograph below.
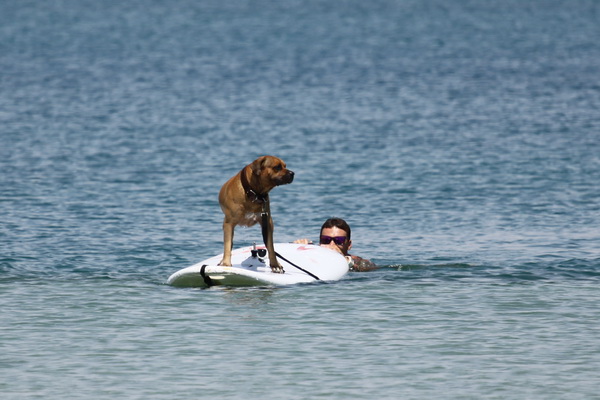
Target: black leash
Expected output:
[261,198]
[265,231]
[294,265]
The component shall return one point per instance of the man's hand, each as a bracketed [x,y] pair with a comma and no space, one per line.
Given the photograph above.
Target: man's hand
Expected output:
[333,246]
[303,241]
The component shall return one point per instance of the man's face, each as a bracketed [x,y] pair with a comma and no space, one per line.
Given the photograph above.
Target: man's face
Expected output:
[336,234]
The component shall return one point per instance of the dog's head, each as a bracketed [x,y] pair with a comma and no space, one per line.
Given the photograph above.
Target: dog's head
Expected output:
[271,171]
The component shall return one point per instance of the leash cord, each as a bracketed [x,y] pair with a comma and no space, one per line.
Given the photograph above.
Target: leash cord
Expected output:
[265,222]
[294,265]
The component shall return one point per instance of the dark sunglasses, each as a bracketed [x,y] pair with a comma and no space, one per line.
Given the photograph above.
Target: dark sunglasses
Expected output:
[339,240]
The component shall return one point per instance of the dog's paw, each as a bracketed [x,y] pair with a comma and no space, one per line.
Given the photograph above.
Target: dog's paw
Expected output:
[277,269]
[223,263]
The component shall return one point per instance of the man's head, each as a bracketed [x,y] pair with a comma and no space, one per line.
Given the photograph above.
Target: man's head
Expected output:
[335,234]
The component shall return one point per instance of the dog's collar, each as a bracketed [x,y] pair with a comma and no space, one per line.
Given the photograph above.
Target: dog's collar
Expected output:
[250,193]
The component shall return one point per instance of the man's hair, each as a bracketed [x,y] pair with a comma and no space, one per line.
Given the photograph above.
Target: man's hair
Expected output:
[336,223]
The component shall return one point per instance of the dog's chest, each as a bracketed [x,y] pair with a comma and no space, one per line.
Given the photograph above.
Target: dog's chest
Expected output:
[250,218]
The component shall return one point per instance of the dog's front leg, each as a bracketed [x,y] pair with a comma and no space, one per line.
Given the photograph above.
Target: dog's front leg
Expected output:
[275,267]
[227,243]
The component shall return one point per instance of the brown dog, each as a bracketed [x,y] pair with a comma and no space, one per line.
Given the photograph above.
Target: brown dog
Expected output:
[244,197]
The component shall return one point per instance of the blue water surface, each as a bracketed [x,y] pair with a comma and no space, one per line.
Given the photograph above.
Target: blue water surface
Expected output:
[460,139]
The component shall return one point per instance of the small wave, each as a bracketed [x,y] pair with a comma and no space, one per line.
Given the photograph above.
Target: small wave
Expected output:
[561,270]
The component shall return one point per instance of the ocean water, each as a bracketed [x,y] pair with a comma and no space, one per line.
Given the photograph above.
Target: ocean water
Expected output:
[460,139]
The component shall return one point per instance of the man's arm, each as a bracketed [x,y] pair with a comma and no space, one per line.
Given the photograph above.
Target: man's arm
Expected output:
[362,264]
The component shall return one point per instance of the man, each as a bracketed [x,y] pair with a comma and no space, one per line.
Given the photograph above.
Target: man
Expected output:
[335,235]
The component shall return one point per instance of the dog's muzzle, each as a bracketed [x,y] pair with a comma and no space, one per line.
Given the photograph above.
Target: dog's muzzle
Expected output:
[289,177]
[285,179]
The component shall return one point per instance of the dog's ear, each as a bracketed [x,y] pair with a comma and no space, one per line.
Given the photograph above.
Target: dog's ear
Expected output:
[258,165]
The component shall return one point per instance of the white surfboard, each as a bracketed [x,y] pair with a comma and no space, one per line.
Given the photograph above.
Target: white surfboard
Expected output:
[302,263]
